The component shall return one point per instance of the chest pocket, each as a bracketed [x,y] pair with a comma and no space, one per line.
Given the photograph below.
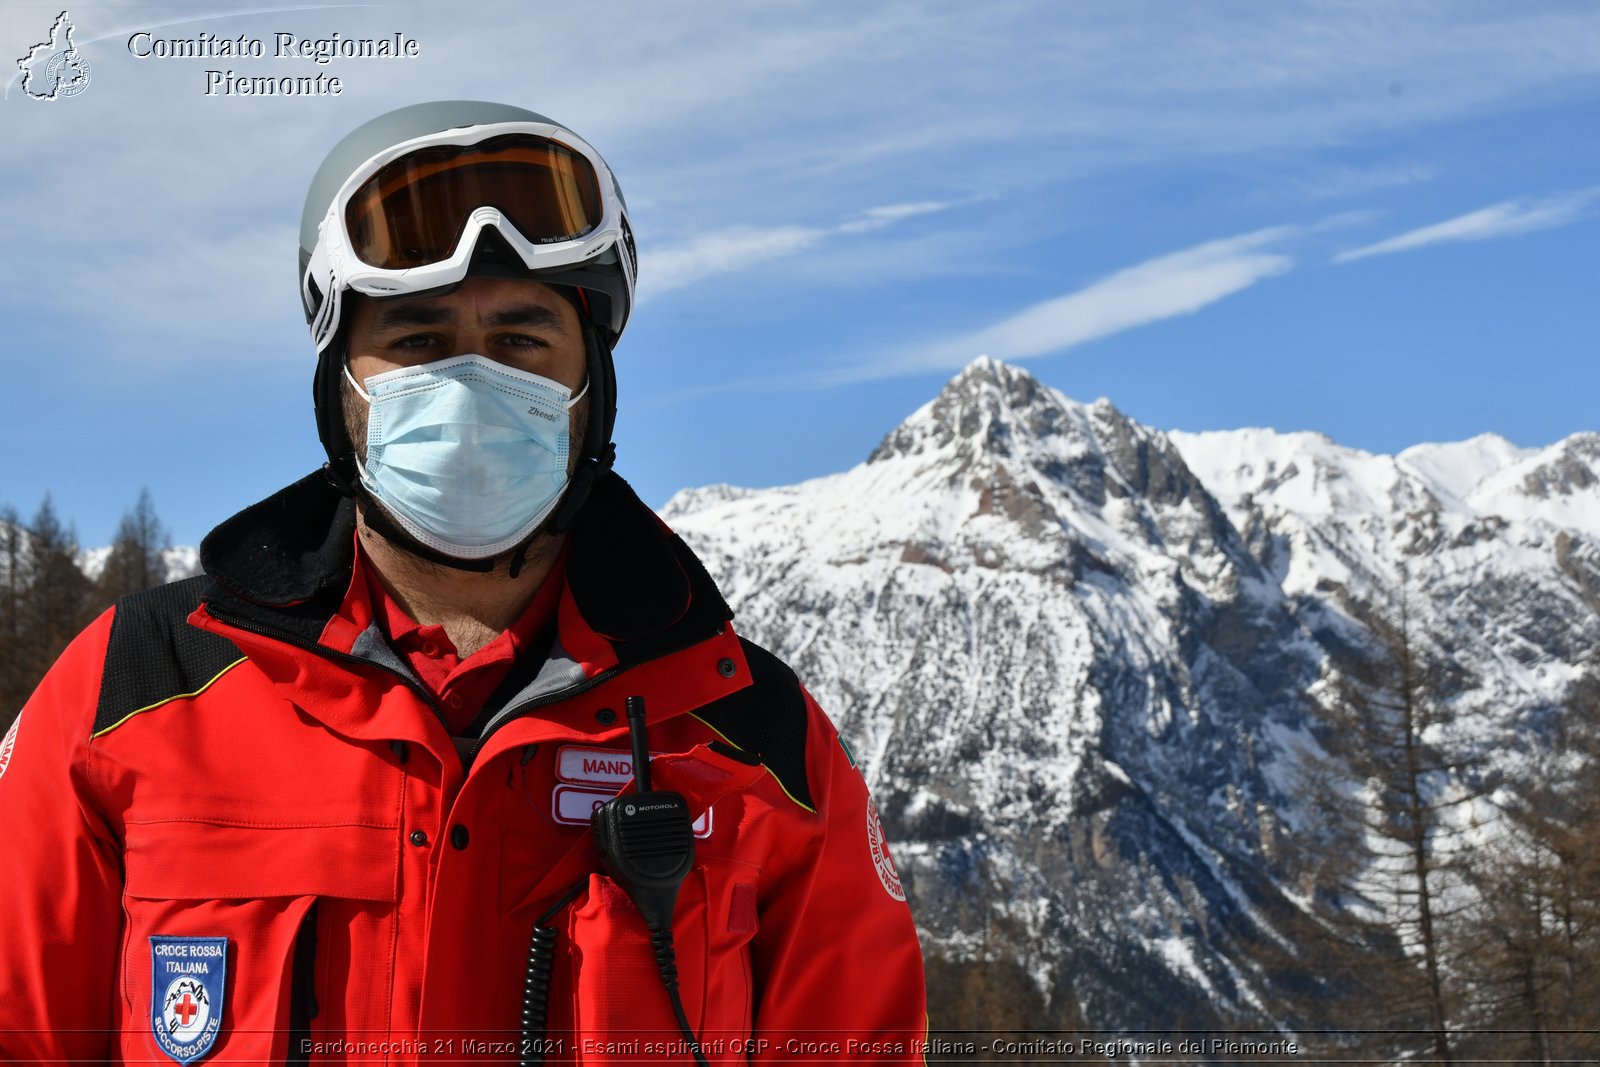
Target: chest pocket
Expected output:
[266,890]
[620,1005]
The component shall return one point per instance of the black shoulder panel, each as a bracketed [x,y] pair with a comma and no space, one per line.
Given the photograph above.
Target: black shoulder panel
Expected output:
[154,655]
[768,718]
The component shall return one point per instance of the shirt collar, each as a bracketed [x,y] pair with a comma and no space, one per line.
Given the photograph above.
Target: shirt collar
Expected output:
[404,632]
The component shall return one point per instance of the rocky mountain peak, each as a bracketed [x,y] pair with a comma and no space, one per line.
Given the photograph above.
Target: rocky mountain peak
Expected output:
[1050,468]
[990,408]
[993,413]
[1569,470]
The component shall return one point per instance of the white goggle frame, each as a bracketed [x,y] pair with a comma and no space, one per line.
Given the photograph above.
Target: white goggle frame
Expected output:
[333,266]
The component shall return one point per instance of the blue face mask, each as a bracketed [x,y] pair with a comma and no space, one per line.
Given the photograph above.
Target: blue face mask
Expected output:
[468,455]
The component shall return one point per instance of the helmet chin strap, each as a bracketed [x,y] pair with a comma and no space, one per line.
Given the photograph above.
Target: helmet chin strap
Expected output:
[597,457]
[379,522]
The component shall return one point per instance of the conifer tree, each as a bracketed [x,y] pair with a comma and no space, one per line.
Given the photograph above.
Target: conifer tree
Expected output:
[57,600]
[136,560]
[13,580]
[1387,792]
[1533,936]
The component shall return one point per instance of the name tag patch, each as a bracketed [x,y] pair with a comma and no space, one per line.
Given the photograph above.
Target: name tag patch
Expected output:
[594,766]
[188,977]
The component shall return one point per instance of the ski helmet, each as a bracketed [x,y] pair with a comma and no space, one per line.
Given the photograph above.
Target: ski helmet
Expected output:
[416,200]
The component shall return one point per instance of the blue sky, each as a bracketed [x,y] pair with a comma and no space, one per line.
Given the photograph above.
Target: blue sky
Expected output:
[1380,221]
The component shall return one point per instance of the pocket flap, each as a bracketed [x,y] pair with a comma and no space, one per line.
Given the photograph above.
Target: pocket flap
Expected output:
[200,860]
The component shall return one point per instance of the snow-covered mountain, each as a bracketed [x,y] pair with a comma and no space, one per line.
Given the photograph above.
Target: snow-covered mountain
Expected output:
[1081,658]
[1495,545]
[181,562]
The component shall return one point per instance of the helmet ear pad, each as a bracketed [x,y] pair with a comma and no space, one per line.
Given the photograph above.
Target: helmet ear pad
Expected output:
[601,370]
[598,452]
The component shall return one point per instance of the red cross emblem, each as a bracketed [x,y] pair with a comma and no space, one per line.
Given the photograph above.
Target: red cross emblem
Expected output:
[188,977]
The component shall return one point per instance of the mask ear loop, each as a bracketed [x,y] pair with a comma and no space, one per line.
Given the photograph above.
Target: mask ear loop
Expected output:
[344,365]
[572,402]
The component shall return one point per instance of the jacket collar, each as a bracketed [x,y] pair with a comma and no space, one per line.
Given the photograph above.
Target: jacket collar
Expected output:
[284,565]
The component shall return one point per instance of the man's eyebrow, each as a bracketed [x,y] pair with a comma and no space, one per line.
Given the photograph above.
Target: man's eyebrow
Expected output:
[535,315]
[531,315]
[415,315]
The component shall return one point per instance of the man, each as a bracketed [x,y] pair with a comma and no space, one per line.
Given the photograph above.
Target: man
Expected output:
[336,798]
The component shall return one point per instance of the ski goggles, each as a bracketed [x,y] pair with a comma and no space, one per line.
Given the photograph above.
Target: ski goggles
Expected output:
[408,220]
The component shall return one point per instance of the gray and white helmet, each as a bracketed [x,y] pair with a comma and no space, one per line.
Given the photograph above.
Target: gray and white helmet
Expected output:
[417,198]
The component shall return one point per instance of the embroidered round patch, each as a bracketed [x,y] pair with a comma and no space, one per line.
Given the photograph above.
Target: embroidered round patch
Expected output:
[879,847]
[8,744]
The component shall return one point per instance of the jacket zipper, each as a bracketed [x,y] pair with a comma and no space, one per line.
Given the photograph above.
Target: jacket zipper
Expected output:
[518,711]
[303,1005]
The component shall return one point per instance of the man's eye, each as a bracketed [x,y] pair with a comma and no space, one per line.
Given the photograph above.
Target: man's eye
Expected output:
[414,340]
[520,340]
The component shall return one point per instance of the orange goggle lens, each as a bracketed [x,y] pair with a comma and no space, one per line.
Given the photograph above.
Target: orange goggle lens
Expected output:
[412,211]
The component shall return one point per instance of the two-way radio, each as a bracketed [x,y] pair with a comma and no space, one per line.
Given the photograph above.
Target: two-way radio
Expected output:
[646,842]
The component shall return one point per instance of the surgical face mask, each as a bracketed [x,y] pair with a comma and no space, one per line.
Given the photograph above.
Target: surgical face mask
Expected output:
[467,454]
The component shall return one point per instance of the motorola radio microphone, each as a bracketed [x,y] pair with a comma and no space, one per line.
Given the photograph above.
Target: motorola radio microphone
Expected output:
[646,842]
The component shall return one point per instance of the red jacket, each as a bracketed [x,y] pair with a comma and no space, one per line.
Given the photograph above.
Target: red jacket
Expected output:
[225,762]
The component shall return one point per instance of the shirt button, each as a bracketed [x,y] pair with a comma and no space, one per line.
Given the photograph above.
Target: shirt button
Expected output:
[453,701]
[458,837]
[430,649]
[418,837]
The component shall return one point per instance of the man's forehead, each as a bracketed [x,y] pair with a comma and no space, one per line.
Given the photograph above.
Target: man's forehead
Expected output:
[496,301]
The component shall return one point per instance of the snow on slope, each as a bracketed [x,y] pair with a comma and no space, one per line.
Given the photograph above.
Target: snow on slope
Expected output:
[1453,469]
[1079,655]
[1494,545]
[1558,486]
[1059,662]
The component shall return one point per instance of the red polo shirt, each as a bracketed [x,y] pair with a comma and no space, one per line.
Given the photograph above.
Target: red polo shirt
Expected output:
[462,686]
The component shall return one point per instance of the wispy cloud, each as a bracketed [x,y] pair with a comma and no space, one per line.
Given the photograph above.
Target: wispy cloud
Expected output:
[1509,218]
[1178,283]
[738,248]
[876,218]
[1343,182]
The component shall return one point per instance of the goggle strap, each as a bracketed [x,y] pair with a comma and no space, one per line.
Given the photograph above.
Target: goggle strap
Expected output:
[320,272]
